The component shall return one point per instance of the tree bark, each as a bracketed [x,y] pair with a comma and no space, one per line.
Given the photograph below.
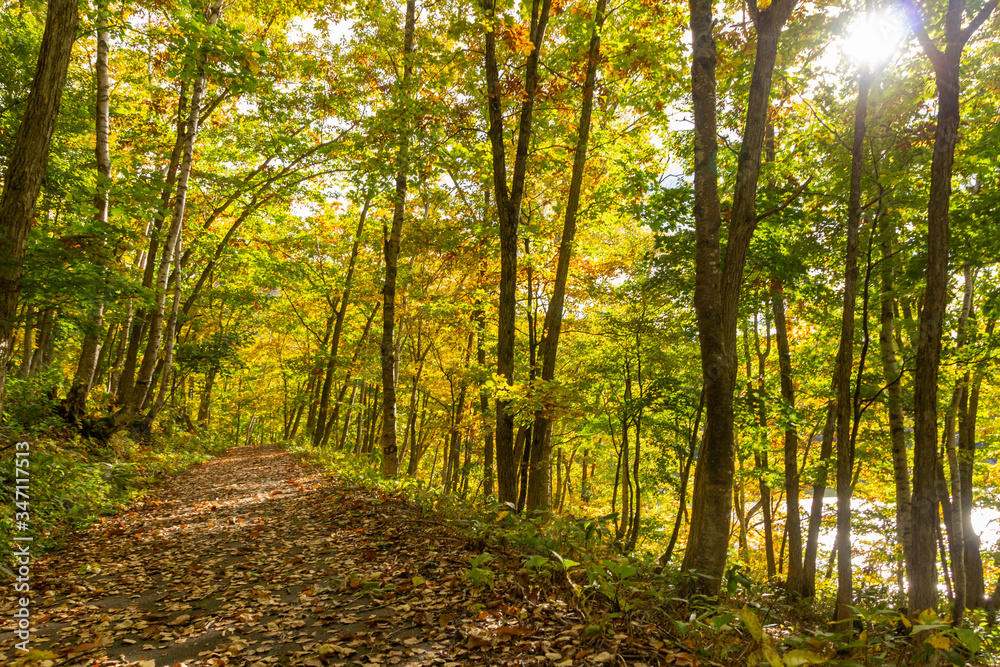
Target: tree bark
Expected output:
[509,214]
[76,398]
[894,398]
[390,458]
[946,73]
[539,481]
[319,434]
[793,525]
[717,284]
[26,164]
[845,357]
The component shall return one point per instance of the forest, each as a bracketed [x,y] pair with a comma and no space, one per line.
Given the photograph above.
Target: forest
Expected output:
[717,281]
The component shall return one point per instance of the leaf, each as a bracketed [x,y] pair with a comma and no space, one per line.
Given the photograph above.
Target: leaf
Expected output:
[940,642]
[968,638]
[772,657]
[38,654]
[753,623]
[798,657]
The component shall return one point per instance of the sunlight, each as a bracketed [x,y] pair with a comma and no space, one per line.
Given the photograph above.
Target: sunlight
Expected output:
[873,40]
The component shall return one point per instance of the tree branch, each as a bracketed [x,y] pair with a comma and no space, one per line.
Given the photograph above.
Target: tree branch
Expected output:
[979,19]
[788,202]
[920,30]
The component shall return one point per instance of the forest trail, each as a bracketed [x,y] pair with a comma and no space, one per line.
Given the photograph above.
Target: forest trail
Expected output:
[253,558]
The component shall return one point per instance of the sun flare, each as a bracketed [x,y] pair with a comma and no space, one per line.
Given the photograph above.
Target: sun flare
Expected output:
[873,40]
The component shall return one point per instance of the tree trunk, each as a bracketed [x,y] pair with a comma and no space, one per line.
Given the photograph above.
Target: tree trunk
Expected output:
[168,359]
[319,434]
[390,458]
[968,412]
[894,398]
[633,536]
[132,404]
[509,213]
[956,541]
[76,398]
[147,260]
[761,460]
[484,408]
[685,475]
[946,73]
[816,507]
[845,357]
[205,405]
[539,480]
[26,164]
[793,525]
[717,284]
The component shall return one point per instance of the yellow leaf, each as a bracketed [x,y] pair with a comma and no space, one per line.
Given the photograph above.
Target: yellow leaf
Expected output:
[940,642]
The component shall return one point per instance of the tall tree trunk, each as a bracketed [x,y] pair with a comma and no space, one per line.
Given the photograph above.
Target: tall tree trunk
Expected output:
[116,365]
[894,398]
[509,214]
[132,404]
[168,359]
[484,408]
[685,474]
[845,357]
[205,404]
[359,347]
[26,345]
[761,462]
[946,73]
[968,411]
[319,434]
[390,453]
[793,525]
[717,283]
[539,480]
[76,398]
[147,259]
[633,536]
[26,164]
[818,493]
[953,504]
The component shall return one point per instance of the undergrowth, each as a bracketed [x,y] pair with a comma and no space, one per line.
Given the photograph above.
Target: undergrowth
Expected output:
[750,623]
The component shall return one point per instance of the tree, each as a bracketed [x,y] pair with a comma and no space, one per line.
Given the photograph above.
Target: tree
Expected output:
[390,452]
[76,397]
[717,283]
[23,178]
[508,202]
[539,478]
[946,75]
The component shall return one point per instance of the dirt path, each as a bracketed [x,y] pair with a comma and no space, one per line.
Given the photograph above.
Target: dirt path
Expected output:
[254,559]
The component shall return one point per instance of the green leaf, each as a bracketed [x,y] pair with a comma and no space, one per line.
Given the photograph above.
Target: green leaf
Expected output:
[799,657]
[968,638]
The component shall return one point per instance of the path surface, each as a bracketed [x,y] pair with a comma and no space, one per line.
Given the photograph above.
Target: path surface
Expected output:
[254,559]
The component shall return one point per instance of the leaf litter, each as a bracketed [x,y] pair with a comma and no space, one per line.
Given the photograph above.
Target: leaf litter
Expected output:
[254,558]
